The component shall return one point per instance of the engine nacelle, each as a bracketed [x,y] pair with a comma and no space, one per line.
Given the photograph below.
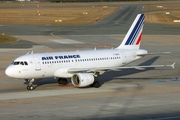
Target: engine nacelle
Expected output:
[82,79]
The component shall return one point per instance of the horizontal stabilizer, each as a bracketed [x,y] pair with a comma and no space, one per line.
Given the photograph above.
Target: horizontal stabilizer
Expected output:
[157,53]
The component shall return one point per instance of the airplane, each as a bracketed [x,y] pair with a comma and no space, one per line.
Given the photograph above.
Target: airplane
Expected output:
[83,67]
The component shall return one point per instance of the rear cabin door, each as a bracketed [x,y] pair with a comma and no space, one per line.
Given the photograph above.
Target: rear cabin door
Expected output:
[124,57]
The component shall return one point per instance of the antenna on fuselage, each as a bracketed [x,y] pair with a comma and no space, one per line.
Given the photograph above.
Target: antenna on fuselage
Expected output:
[27,53]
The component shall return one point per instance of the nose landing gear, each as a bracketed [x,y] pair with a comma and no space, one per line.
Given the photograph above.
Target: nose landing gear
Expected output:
[30,84]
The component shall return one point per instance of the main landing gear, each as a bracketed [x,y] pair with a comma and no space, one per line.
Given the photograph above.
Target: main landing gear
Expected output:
[96,84]
[30,84]
[62,81]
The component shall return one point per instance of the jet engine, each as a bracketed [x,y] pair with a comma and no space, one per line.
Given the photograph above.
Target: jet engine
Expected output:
[82,79]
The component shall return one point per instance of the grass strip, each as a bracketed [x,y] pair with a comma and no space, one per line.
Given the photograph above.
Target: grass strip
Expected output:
[6,39]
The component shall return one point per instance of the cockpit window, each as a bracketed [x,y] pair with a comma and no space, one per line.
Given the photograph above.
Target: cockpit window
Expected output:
[16,63]
[19,63]
[12,63]
[25,63]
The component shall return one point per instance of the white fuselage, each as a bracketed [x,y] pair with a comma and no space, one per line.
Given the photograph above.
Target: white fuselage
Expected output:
[82,66]
[56,64]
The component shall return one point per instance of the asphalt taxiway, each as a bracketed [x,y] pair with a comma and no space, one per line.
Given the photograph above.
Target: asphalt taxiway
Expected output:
[117,23]
[152,94]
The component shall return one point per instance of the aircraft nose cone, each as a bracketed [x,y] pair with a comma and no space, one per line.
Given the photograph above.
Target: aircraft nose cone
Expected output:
[9,72]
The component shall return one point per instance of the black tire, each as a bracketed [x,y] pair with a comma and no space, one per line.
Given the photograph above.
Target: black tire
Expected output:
[59,81]
[65,81]
[92,85]
[31,88]
[62,81]
[96,84]
[28,88]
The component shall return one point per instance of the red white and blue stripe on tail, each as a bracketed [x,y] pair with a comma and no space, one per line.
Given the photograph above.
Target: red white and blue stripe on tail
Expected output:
[133,37]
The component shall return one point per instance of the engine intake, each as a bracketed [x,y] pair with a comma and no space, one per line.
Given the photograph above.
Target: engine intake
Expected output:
[82,79]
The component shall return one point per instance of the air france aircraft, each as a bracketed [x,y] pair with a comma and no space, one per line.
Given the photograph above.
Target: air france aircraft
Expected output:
[83,67]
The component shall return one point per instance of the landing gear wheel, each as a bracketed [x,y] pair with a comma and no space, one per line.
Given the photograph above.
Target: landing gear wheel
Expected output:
[30,87]
[96,84]
[62,81]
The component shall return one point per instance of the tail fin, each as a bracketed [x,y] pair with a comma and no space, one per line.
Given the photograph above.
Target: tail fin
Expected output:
[133,37]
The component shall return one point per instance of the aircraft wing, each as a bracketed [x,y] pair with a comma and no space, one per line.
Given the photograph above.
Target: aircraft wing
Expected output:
[91,70]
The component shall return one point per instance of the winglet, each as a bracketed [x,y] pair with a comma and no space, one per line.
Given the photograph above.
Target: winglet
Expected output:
[173,65]
[27,53]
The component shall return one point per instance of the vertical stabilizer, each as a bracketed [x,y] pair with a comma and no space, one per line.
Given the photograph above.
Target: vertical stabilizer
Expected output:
[133,37]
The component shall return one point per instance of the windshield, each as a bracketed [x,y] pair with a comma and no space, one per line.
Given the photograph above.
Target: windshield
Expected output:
[19,63]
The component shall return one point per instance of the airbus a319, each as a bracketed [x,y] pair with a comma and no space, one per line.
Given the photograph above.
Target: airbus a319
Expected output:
[83,67]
